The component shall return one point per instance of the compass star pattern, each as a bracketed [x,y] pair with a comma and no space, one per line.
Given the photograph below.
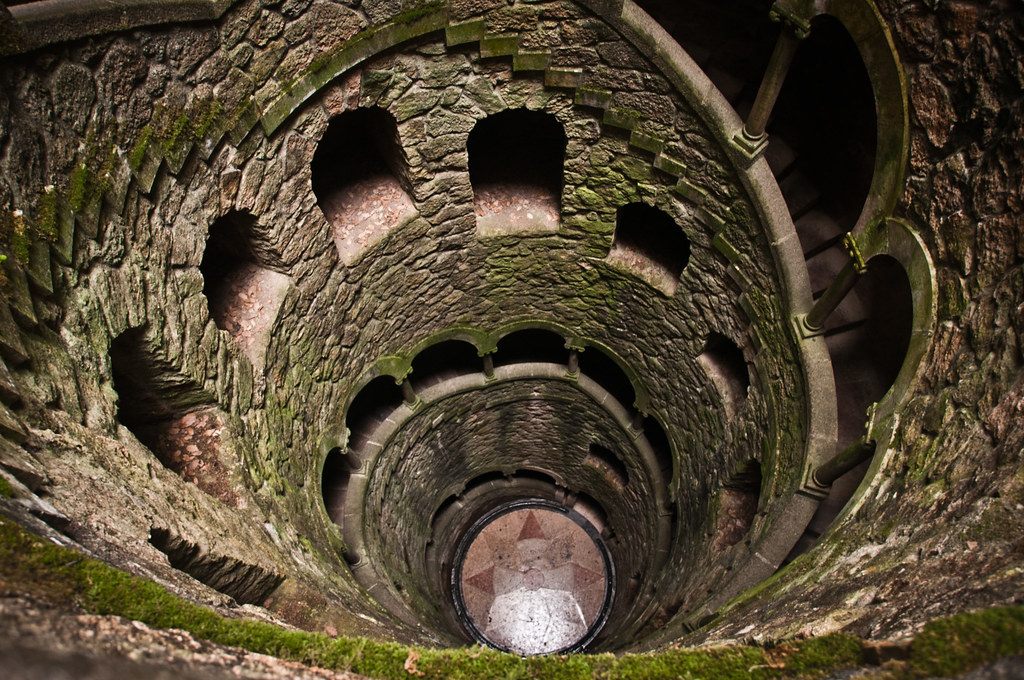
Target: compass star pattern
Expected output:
[533,581]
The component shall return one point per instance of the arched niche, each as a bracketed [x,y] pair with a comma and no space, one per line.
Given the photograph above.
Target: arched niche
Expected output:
[243,291]
[649,243]
[359,179]
[531,345]
[444,360]
[516,160]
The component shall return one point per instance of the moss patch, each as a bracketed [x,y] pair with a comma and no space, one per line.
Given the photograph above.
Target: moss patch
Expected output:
[5,489]
[61,575]
[953,645]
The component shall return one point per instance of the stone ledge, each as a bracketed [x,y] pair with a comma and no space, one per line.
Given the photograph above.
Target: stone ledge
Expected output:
[51,21]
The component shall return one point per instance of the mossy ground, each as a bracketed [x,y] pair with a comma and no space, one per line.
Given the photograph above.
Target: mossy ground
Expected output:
[60,575]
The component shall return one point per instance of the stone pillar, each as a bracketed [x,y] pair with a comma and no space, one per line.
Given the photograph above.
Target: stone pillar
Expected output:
[847,459]
[752,140]
[409,394]
[489,366]
[637,423]
[574,361]
[813,323]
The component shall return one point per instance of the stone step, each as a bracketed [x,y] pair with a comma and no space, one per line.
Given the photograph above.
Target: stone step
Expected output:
[800,193]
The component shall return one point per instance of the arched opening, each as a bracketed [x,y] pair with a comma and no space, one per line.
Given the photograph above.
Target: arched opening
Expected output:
[604,370]
[169,414]
[359,179]
[589,507]
[485,478]
[738,503]
[445,360]
[536,476]
[515,165]
[334,482]
[867,337]
[531,345]
[724,363]
[371,407]
[609,464]
[825,111]
[649,242]
[243,295]
[662,447]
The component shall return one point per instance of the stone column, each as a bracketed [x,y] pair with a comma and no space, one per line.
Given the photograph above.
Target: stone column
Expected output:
[813,323]
[847,459]
[752,140]
[409,394]
[574,361]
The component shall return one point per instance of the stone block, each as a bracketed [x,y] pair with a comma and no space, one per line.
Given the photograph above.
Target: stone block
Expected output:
[9,393]
[748,307]
[568,78]
[64,246]
[670,165]
[690,192]
[11,426]
[499,45]
[722,245]
[711,220]
[464,33]
[531,61]
[642,140]
[147,171]
[245,121]
[10,338]
[738,276]
[19,297]
[592,97]
[88,219]
[625,119]
[120,179]
[40,274]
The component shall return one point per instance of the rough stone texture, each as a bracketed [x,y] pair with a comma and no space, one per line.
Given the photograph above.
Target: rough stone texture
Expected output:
[41,642]
[938,522]
[466,436]
[938,527]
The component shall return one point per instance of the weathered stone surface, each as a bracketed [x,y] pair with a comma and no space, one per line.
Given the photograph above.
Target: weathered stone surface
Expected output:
[937,523]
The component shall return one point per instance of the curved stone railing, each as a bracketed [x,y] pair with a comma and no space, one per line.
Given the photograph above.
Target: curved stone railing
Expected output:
[792,517]
[139,170]
[353,517]
[44,22]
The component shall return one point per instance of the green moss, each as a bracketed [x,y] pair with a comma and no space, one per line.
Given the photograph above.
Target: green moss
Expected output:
[138,153]
[6,491]
[46,215]
[206,118]
[175,136]
[58,574]
[78,187]
[951,646]
[825,653]
[18,241]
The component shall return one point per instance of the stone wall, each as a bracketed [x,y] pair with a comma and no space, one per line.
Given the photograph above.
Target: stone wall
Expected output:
[118,152]
[937,528]
[151,119]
